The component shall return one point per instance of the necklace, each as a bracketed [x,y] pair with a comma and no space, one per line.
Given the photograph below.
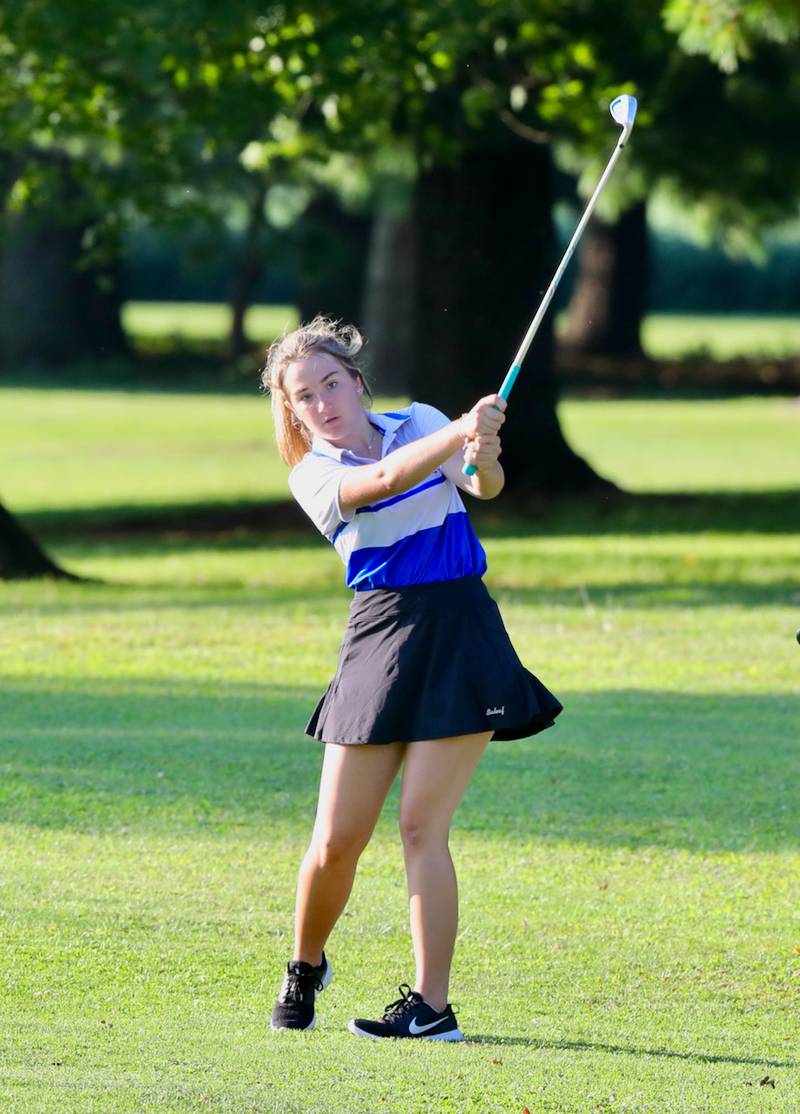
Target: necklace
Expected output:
[373,431]
[370,441]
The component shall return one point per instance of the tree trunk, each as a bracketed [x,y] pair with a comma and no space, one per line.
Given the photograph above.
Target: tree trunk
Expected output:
[333,260]
[485,247]
[388,313]
[610,295]
[21,558]
[249,268]
[54,307]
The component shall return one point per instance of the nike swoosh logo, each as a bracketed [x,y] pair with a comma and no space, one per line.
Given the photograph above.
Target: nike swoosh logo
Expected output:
[415,1029]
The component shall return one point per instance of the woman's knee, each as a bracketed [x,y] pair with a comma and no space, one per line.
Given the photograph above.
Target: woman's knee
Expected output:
[419,829]
[336,848]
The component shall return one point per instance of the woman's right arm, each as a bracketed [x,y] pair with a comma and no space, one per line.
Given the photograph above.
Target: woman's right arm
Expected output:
[407,466]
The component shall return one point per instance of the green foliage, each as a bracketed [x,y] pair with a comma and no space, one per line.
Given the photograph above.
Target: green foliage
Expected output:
[174,110]
[728,32]
[689,278]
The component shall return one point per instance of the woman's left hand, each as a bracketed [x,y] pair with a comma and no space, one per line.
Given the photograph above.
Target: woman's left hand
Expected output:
[482,451]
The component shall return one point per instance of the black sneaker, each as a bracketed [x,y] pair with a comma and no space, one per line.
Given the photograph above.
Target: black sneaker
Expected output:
[295,1006]
[410,1016]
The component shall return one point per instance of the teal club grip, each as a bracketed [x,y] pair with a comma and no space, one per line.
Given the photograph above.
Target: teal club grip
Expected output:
[504,392]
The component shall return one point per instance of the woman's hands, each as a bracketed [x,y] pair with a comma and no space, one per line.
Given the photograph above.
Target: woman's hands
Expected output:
[472,437]
[481,428]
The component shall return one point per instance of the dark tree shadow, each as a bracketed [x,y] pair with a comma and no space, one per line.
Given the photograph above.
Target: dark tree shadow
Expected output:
[769,512]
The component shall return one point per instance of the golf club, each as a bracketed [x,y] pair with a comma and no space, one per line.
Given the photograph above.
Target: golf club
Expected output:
[623,109]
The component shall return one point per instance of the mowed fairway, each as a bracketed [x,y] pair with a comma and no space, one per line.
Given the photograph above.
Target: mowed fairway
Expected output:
[630,879]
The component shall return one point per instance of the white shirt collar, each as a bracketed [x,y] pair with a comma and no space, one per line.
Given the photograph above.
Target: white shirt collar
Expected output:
[386,423]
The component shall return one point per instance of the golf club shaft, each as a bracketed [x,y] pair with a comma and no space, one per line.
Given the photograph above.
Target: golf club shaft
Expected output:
[513,371]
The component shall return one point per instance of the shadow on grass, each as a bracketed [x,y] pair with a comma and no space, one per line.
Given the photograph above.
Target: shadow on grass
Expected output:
[620,768]
[196,369]
[336,600]
[589,1046]
[140,596]
[259,518]
[705,583]
[768,512]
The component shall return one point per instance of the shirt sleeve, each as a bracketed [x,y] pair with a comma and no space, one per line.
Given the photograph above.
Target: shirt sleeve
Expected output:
[427,419]
[314,483]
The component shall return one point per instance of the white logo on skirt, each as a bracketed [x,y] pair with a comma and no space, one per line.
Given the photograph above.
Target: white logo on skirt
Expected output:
[496,711]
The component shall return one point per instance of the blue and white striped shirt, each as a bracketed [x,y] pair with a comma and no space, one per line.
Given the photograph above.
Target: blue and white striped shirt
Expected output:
[414,538]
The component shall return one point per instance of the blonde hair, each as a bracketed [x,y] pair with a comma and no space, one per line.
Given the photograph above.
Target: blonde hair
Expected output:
[322,334]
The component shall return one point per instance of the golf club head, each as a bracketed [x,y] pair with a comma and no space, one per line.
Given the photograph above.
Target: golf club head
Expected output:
[623,109]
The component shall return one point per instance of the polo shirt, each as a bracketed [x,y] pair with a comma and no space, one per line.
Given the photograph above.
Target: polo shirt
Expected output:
[420,536]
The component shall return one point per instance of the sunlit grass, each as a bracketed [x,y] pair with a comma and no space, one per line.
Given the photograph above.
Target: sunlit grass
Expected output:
[75,450]
[740,444]
[722,337]
[203,320]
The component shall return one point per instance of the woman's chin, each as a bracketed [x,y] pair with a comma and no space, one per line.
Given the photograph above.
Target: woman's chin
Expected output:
[333,429]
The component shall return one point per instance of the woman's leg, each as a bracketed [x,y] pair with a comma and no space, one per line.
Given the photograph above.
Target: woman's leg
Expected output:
[435,775]
[353,786]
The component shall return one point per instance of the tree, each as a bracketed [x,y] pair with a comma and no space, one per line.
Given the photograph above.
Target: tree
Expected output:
[170,108]
[388,311]
[482,207]
[463,85]
[717,143]
[58,303]
[610,295]
[21,557]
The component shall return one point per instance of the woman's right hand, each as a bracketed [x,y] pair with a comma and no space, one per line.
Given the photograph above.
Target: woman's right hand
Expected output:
[485,417]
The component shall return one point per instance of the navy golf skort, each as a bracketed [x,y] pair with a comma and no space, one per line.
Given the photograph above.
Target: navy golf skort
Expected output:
[429,661]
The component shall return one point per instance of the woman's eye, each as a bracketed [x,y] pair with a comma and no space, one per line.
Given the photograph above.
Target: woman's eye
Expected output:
[333,382]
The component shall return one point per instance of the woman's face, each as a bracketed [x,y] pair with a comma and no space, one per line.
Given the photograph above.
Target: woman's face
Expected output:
[325,397]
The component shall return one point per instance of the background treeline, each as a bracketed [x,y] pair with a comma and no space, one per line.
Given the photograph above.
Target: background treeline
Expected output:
[685,276]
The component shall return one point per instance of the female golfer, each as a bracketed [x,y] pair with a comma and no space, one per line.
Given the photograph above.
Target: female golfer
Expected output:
[426,673]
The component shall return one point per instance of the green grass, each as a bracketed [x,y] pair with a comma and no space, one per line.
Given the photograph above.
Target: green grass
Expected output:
[722,337]
[203,320]
[70,450]
[65,452]
[629,940]
[665,336]
[741,444]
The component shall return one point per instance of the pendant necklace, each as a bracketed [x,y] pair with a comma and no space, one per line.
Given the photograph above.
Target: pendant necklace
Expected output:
[373,431]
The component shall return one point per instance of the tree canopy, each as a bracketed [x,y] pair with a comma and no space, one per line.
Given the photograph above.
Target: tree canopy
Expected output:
[165,107]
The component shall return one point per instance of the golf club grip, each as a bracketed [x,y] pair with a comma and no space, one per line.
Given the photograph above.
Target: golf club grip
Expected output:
[504,392]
